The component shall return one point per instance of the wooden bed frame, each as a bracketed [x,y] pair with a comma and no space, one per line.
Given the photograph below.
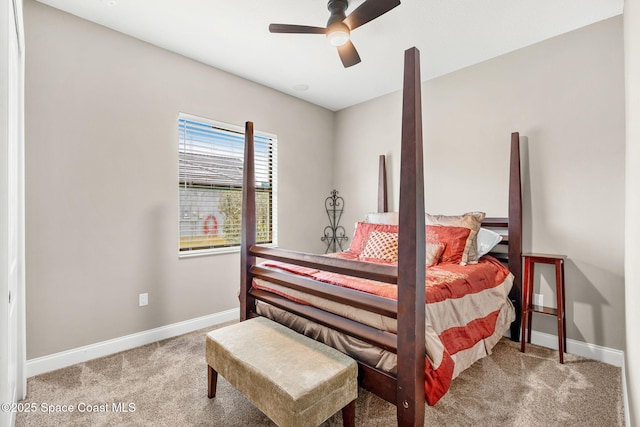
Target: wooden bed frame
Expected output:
[406,390]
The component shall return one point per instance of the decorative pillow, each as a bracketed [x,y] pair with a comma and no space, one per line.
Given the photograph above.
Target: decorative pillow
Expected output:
[362,232]
[454,240]
[433,252]
[487,240]
[381,245]
[382,218]
[471,221]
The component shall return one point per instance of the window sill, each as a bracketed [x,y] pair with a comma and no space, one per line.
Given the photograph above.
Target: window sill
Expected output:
[219,251]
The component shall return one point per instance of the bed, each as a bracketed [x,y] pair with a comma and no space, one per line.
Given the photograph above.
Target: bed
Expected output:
[404,334]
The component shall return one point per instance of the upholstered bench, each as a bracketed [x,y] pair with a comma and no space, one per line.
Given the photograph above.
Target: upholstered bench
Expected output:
[291,378]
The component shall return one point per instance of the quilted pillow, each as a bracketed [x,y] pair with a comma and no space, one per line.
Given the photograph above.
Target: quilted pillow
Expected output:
[361,235]
[381,245]
[471,221]
[435,249]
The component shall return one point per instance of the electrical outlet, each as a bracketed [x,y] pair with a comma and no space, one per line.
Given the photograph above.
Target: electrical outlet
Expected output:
[143,299]
[538,299]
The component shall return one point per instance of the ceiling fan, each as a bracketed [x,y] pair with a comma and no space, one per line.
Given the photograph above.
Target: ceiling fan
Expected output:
[339,26]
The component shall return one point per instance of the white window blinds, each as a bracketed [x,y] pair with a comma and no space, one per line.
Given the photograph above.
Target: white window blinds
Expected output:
[210,180]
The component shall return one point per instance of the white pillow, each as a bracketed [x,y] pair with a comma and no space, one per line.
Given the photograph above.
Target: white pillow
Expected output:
[487,240]
[390,218]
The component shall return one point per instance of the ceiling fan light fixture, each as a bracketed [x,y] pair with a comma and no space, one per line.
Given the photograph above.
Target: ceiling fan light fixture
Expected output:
[339,25]
[338,34]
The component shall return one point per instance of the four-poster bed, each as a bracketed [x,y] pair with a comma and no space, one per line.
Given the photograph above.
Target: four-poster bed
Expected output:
[263,287]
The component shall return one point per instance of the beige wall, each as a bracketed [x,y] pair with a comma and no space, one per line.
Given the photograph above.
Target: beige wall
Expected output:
[102,194]
[566,98]
[102,211]
[632,227]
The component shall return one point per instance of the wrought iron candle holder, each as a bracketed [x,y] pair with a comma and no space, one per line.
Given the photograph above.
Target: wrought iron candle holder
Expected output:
[334,234]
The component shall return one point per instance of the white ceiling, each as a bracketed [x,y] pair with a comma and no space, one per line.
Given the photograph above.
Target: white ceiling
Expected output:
[233,35]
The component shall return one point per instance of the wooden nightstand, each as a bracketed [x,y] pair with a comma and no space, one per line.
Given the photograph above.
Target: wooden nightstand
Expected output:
[528,308]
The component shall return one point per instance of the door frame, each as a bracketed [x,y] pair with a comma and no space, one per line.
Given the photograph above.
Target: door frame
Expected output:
[12,209]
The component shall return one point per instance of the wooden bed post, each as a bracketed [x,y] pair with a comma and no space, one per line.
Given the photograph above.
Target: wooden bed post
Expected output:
[411,253]
[515,232]
[248,239]
[382,186]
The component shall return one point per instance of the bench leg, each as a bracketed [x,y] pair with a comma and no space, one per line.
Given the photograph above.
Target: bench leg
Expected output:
[349,415]
[212,376]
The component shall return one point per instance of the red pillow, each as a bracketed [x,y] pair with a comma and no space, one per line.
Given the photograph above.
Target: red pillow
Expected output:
[361,235]
[453,238]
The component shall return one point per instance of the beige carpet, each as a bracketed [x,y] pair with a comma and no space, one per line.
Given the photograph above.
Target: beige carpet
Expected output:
[164,384]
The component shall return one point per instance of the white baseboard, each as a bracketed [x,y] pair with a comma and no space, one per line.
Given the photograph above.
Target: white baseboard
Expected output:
[66,358]
[82,354]
[579,348]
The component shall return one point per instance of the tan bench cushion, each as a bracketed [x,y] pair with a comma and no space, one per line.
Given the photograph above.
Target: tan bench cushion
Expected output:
[294,380]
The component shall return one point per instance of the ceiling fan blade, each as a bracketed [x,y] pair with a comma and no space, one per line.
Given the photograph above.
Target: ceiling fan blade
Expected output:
[368,11]
[348,54]
[297,29]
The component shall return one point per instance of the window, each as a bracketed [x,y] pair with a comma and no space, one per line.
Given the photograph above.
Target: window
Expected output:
[210,180]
